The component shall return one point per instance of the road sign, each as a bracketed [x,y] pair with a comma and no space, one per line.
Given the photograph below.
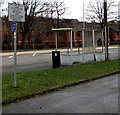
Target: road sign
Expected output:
[14,26]
[16,12]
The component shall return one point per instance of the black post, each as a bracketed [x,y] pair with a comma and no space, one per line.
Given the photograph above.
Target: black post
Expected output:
[106,33]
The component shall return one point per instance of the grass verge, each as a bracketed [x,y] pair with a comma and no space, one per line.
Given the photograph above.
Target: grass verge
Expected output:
[31,82]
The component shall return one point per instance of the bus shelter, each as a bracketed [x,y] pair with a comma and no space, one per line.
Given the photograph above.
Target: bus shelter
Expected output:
[89,50]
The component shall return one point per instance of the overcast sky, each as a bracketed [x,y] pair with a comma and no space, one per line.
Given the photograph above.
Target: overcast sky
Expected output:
[75,7]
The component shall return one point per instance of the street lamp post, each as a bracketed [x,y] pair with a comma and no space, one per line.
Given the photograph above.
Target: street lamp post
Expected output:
[83,32]
[106,33]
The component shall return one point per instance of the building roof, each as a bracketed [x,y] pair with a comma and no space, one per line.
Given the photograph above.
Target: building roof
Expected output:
[45,24]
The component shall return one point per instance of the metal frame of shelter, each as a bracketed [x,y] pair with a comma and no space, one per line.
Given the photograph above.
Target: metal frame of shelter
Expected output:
[71,44]
[83,42]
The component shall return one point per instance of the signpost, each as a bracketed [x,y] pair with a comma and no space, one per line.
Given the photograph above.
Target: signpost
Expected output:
[16,14]
[106,33]
[14,26]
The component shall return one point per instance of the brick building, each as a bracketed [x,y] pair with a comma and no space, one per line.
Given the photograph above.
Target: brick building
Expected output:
[42,35]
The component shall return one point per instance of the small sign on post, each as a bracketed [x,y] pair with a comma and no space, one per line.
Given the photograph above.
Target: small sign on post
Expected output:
[16,13]
[14,26]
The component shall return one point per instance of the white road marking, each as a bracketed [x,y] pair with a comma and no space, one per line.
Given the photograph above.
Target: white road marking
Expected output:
[10,57]
[34,54]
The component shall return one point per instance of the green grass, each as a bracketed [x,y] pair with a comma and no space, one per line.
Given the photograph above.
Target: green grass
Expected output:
[31,82]
[114,44]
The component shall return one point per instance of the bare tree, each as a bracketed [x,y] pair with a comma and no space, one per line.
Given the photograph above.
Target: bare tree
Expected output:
[1,6]
[56,10]
[3,9]
[95,11]
[7,36]
[33,8]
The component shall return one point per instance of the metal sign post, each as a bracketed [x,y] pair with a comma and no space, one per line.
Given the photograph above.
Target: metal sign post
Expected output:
[106,33]
[93,32]
[71,47]
[83,31]
[102,41]
[15,59]
[14,28]
[16,14]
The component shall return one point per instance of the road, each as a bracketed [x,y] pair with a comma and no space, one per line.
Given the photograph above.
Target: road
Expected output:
[26,63]
[35,61]
[100,96]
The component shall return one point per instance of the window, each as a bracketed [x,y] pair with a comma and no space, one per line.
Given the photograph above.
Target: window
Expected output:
[78,33]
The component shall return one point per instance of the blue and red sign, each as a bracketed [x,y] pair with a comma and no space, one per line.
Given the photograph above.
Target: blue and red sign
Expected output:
[14,26]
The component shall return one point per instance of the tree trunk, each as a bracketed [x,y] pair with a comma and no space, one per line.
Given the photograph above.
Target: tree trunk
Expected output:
[23,40]
[28,42]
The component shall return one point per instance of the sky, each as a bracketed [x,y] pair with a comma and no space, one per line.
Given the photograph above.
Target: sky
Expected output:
[75,7]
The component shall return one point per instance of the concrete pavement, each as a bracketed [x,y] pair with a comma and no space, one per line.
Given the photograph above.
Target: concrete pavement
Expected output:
[44,51]
[100,96]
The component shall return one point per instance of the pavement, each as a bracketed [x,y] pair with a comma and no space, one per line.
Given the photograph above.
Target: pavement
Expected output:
[100,96]
[44,51]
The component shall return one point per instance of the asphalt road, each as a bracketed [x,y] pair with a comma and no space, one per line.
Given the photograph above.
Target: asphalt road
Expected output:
[100,96]
[26,63]
[37,61]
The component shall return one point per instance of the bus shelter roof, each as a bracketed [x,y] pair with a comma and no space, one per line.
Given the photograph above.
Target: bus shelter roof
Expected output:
[76,29]
[62,29]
